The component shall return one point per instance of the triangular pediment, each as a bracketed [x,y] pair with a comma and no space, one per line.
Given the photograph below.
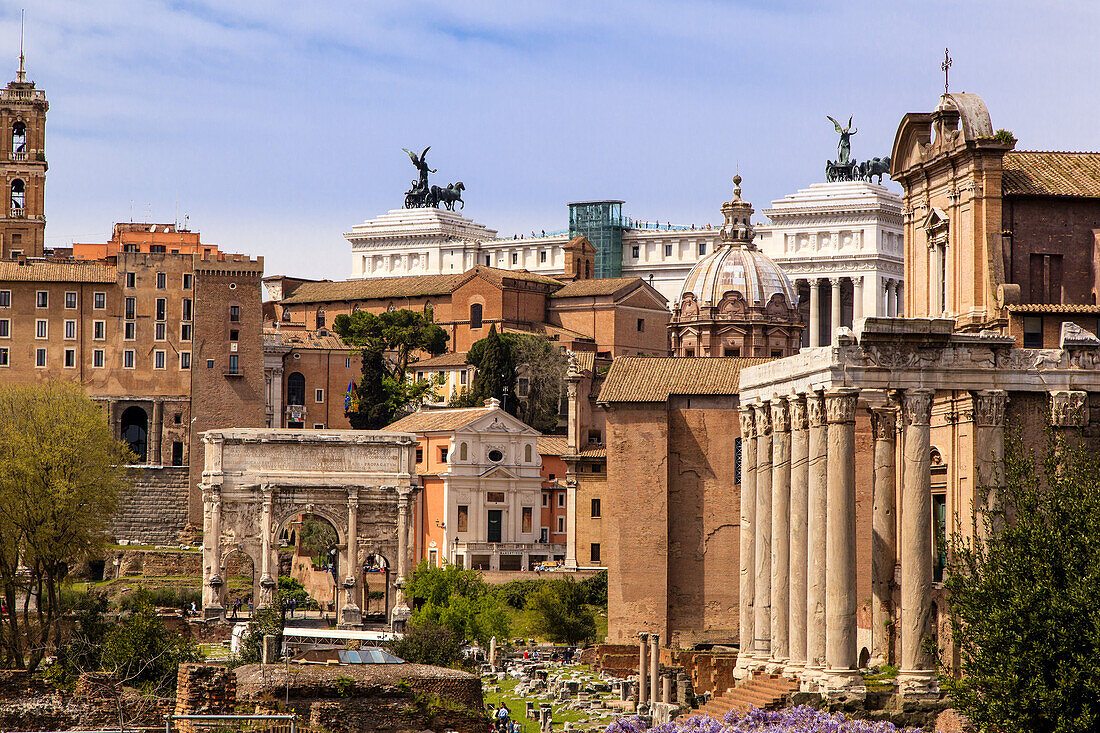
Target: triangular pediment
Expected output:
[935,219]
[499,472]
[498,421]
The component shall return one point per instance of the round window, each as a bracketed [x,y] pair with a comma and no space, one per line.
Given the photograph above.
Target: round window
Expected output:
[496,456]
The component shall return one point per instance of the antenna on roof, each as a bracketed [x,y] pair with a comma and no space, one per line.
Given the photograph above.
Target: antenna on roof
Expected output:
[21,76]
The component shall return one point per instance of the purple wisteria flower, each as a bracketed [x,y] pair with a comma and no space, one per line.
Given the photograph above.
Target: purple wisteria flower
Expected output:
[801,719]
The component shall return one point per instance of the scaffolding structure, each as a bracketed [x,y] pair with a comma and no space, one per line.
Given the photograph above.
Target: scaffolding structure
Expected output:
[601,222]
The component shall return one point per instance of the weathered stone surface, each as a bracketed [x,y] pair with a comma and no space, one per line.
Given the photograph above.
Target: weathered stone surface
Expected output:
[154,512]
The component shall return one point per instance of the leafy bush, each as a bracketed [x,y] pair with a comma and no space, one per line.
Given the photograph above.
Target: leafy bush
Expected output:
[140,651]
[292,589]
[265,621]
[516,592]
[562,613]
[458,599]
[181,598]
[425,642]
[595,589]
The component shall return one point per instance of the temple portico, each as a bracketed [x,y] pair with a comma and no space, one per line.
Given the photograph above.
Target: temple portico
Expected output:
[933,398]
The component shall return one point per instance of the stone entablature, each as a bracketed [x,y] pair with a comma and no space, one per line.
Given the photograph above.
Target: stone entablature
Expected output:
[257,480]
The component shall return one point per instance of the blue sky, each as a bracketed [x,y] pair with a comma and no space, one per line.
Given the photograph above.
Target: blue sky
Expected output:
[277,126]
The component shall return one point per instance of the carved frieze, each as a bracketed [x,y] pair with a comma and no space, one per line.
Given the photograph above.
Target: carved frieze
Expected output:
[840,406]
[917,406]
[1069,409]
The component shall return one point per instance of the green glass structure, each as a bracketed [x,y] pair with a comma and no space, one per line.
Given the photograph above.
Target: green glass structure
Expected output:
[601,222]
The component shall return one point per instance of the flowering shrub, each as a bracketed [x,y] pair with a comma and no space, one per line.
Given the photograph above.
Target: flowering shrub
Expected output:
[801,719]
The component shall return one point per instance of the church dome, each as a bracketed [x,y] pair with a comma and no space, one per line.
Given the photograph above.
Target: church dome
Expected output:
[737,265]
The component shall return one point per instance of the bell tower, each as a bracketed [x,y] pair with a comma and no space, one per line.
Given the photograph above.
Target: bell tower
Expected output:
[22,165]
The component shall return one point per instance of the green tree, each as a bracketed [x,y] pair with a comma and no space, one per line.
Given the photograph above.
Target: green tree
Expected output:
[61,473]
[543,366]
[1022,595]
[458,599]
[425,642]
[495,360]
[595,589]
[139,651]
[561,612]
[389,343]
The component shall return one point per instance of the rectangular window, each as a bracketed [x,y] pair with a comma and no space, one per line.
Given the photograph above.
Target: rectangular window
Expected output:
[128,359]
[5,299]
[525,520]
[5,328]
[187,281]
[545,499]
[442,455]
[70,300]
[595,552]
[185,360]
[131,307]
[186,315]
[234,313]
[419,455]
[162,307]
[318,426]
[542,256]
[234,364]
[160,332]
[185,332]
[162,281]
[158,359]
[99,301]
[177,453]
[561,498]
[4,357]
[319,395]
[634,251]
[41,328]
[462,377]
[561,524]
[70,358]
[131,280]
[129,330]
[515,258]
[463,517]
[42,299]
[40,357]
[494,497]
[70,330]
[234,334]
[595,508]
[209,363]
[1033,332]
[702,248]
[668,250]
[99,330]
[347,363]
[641,325]
[98,358]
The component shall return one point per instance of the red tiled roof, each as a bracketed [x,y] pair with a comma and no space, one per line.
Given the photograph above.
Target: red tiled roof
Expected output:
[428,420]
[1051,173]
[655,378]
[57,272]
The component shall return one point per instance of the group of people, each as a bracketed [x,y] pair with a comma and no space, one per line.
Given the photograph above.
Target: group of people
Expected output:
[503,723]
[238,604]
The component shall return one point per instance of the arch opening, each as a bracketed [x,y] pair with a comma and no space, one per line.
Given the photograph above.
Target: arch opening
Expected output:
[309,553]
[135,431]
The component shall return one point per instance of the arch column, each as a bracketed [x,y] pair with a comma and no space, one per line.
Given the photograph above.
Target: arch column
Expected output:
[351,614]
[916,677]
[763,584]
[841,677]
[401,611]
[800,476]
[267,582]
[214,608]
[747,587]
[815,311]
[816,541]
[834,304]
[781,536]
[883,534]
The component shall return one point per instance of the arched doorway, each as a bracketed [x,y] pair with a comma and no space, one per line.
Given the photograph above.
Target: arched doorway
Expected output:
[239,573]
[376,588]
[309,552]
[135,431]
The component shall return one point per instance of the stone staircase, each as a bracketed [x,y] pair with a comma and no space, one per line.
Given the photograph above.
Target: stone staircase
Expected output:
[768,691]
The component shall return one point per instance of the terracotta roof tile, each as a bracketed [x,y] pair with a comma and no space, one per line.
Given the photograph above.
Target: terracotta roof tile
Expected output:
[57,272]
[1052,308]
[412,286]
[452,359]
[428,420]
[654,379]
[498,275]
[553,445]
[299,338]
[602,286]
[1051,173]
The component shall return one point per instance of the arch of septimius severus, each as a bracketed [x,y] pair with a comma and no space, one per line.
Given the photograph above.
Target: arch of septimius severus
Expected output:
[257,480]
[939,386]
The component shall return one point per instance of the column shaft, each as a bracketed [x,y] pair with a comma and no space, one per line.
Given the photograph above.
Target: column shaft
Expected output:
[815,312]
[643,677]
[816,543]
[267,583]
[748,538]
[883,535]
[654,665]
[781,531]
[857,299]
[840,553]
[763,585]
[899,298]
[834,320]
[800,476]
[989,456]
[916,675]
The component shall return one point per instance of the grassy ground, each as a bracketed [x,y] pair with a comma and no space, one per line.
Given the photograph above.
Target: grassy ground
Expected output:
[517,707]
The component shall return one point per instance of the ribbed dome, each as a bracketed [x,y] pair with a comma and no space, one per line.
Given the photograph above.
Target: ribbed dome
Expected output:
[737,264]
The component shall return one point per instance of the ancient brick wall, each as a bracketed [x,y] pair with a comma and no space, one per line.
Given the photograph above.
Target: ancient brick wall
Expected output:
[709,671]
[205,689]
[154,512]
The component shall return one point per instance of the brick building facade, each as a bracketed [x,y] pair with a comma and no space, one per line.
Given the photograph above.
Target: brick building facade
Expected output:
[23,165]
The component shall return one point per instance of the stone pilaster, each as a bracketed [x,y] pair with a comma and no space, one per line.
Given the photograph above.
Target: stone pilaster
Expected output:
[401,611]
[762,606]
[883,535]
[841,678]
[916,677]
[816,544]
[747,558]
[800,476]
[781,535]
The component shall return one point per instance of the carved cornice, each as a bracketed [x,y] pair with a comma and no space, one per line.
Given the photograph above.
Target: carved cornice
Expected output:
[815,406]
[917,406]
[1069,409]
[989,407]
[763,420]
[840,405]
[797,405]
[748,423]
[884,423]
[781,417]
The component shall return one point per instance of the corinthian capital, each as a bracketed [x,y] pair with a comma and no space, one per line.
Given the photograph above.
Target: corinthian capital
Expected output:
[840,405]
[763,419]
[989,407]
[797,405]
[748,422]
[815,405]
[916,405]
[781,417]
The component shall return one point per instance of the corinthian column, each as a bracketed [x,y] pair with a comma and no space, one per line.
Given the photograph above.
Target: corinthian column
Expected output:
[401,611]
[762,606]
[643,678]
[816,541]
[815,312]
[748,542]
[834,320]
[916,677]
[781,534]
[267,583]
[883,539]
[841,674]
[989,449]
[800,477]
[351,614]
[857,299]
